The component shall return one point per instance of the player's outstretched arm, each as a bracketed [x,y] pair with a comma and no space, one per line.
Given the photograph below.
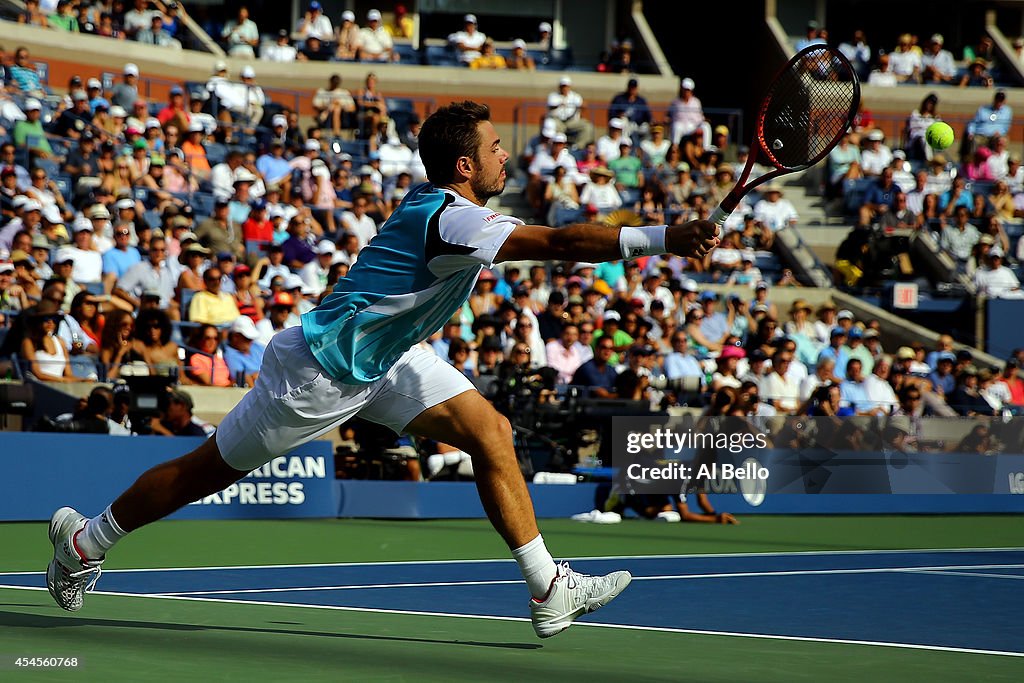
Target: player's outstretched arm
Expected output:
[596,243]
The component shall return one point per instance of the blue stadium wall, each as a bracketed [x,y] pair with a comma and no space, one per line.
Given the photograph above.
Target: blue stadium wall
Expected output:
[42,472]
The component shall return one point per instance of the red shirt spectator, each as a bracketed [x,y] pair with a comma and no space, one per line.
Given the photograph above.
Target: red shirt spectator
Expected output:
[257,227]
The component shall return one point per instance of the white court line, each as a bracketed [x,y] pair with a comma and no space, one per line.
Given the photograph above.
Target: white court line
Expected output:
[1019,577]
[790,553]
[661,577]
[626,627]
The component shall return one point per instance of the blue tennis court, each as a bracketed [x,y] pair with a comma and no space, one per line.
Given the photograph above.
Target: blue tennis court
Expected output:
[967,600]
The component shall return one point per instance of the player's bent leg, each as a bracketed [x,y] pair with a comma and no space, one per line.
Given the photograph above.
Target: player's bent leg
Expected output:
[424,395]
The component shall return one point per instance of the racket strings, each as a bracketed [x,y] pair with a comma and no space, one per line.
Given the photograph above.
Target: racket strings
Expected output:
[808,108]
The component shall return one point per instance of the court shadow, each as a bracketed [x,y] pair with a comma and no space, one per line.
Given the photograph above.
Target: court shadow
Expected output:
[46,621]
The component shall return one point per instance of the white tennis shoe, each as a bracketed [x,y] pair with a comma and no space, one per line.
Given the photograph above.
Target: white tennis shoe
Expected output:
[70,574]
[572,595]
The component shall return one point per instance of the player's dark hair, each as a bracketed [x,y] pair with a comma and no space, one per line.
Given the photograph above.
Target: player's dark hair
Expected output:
[448,134]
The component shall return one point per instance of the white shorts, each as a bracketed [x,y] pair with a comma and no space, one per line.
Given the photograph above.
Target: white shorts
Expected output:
[294,401]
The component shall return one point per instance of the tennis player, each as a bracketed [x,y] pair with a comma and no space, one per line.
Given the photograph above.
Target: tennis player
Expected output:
[357,354]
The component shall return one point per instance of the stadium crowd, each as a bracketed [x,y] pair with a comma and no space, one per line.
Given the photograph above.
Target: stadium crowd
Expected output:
[176,238]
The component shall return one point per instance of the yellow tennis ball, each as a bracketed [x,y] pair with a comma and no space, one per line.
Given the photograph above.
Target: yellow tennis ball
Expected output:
[939,135]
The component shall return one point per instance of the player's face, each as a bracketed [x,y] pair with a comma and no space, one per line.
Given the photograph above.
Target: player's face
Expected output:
[489,179]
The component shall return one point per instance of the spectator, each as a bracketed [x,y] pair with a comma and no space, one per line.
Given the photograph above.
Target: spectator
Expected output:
[883,75]
[207,367]
[315,24]
[996,281]
[371,106]
[488,59]
[686,112]
[988,121]
[468,41]
[680,363]
[876,155]
[242,35]
[244,354]
[152,343]
[218,234]
[565,107]
[297,250]
[137,19]
[334,107]
[966,399]
[281,51]
[619,59]
[358,222]
[177,418]
[976,76]
[777,389]
[32,126]
[280,317]
[858,52]
[64,19]
[544,35]
[24,76]
[116,349]
[403,26]
[906,60]
[879,199]
[565,354]
[519,60]
[155,34]
[773,211]
[938,65]
[632,108]
[917,123]
[562,199]
[812,36]
[600,194]
[126,93]
[42,351]
[108,29]
[32,15]
[151,275]
[959,239]
[313,51]
[117,261]
[598,374]
[347,37]
[375,43]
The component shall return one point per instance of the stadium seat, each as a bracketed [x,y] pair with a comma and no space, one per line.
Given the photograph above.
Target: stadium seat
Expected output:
[64,184]
[407,54]
[439,55]
[555,59]
[186,300]
[51,167]
[202,203]
[152,218]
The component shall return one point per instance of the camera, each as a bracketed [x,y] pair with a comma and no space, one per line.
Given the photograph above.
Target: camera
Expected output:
[148,398]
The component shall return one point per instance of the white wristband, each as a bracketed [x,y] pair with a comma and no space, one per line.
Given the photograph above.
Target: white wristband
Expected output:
[644,241]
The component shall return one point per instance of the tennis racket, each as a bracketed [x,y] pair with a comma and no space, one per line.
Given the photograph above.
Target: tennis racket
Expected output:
[809,106]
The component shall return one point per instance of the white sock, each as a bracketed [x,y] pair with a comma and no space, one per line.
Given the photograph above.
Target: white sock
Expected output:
[99,535]
[537,566]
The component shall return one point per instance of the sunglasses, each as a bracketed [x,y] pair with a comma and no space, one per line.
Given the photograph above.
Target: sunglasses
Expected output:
[211,338]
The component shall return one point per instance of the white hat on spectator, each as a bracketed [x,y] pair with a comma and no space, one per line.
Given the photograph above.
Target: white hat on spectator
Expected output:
[117,111]
[219,66]
[131,70]
[32,104]
[244,175]
[79,96]
[275,211]
[559,137]
[325,247]
[195,126]
[81,224]
[544,27]
[244,326]
[845,314]
[6,267]
[279,120]
[312,145]
[366,169]
[31,205]
[98,212]
[616,122]
[126,203]
[19,201]
[152,123]
[996,251]
[247,72]
[937,38]
[876,135]
[519,43]
[293,281]
[687,84]
[348,15]
[690,285]
[373,15]
[564,80]
[612,315]
[63,255]
[899,154]
[51,214]
[469,19]
[748,255]
[548,128]
[93,83]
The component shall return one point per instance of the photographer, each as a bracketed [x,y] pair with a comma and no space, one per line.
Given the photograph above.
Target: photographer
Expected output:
[521,386]
[176,417]
[91,416]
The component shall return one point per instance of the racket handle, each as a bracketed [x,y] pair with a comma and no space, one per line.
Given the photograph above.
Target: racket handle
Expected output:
[720,216]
